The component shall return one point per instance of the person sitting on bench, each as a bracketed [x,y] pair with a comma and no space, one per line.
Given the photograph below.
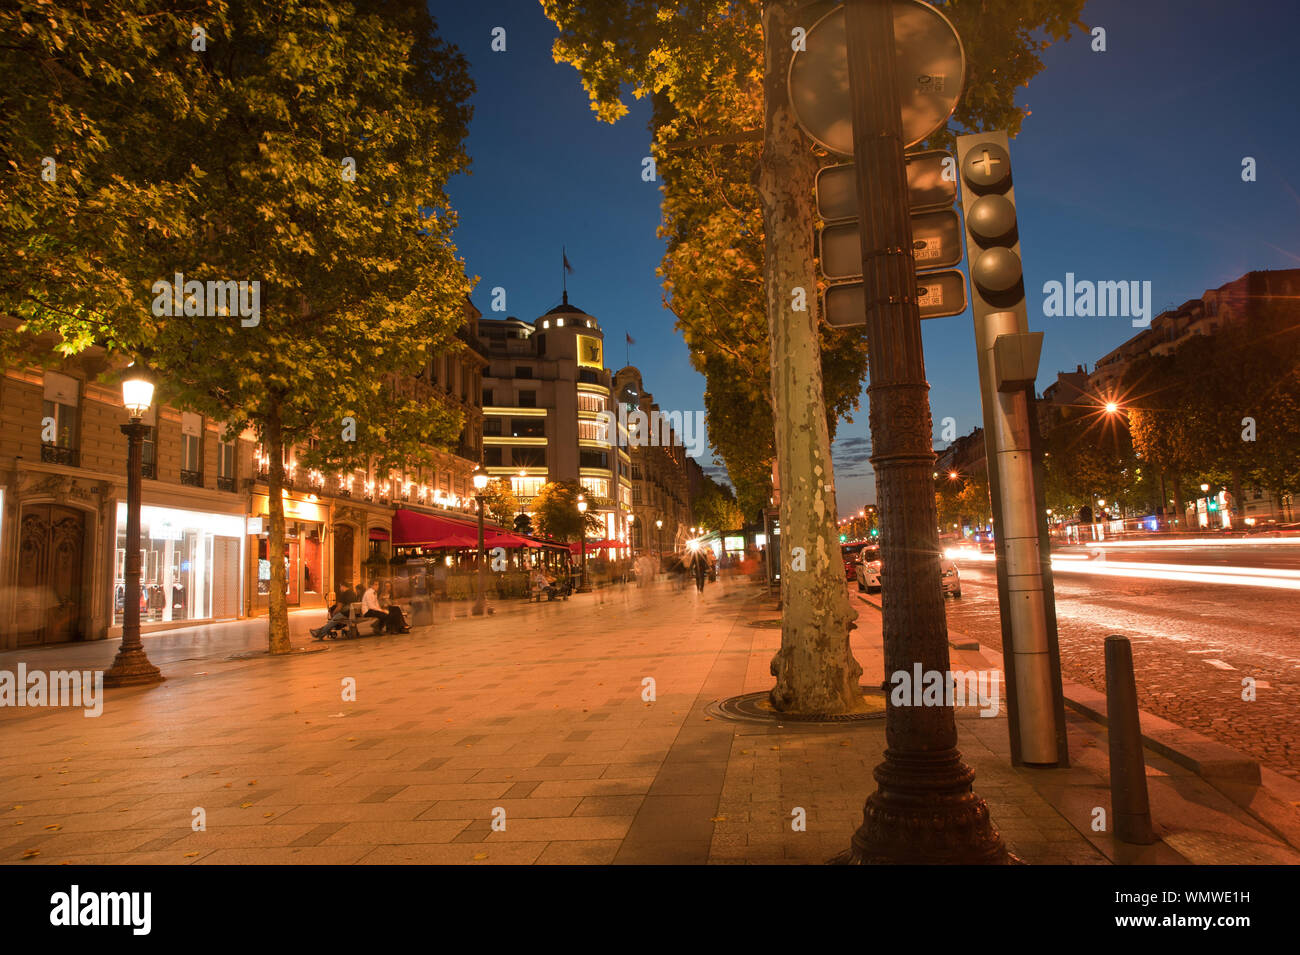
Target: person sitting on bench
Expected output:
[540,583]
[343,599]
[393,621]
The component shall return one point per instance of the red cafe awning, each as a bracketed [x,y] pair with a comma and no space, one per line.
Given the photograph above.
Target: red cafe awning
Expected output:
[431,530]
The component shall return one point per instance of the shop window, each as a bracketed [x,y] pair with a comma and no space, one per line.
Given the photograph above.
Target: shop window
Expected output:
[189,567]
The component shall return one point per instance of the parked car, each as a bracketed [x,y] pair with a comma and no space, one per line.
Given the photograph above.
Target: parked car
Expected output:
[849,554]
[867,569]
[869,573]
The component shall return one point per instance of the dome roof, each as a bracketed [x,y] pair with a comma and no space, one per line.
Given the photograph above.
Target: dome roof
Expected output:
[564,308]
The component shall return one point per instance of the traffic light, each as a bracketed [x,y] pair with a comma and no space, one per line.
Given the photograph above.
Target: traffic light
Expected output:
[875,532]
[988,201]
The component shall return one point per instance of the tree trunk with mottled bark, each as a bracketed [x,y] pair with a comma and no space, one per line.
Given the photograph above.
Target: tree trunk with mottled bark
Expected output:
[815,669]
[277,603]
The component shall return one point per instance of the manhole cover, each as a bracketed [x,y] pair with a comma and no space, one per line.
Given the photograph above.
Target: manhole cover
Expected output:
[766,624]
[757,708]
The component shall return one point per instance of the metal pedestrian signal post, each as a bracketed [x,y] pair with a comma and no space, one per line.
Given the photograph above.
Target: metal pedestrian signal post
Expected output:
[1008,355]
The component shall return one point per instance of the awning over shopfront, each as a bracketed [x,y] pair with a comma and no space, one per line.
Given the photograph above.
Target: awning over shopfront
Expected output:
[412,528]
[378,534]
[429,530]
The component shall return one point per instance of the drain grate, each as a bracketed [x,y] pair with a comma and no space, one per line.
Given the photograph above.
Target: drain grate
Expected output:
[757,708]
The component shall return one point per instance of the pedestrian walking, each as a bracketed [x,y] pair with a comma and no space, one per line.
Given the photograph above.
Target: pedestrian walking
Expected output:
[700,567]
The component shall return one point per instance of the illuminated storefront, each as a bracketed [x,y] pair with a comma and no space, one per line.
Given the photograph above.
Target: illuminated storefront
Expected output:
[189,565]
[305,523]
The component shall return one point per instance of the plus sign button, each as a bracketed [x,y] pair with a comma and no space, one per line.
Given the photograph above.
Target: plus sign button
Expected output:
[987,167]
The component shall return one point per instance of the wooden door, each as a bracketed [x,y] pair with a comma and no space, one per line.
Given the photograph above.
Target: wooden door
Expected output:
[50,568]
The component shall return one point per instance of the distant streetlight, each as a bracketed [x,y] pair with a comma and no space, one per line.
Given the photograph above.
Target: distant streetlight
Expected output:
[1205,487]
[1112,407]
[131,666]
[952,475]
[480,480]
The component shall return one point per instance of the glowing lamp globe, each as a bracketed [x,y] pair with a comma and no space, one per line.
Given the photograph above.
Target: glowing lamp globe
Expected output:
[137,395]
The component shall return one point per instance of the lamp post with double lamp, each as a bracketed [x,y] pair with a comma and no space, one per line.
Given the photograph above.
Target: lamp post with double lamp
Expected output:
[480,479]
[582,513]
[131,667]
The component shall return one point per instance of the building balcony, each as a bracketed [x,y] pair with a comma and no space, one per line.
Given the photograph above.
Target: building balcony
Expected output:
[53,454]
[191,478]
[225,482]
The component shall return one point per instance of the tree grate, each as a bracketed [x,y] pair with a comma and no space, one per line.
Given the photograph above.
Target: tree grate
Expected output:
[757,708]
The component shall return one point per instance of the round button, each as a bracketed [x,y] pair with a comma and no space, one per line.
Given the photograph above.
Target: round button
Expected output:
[991,218]
[996,270]
[986,167]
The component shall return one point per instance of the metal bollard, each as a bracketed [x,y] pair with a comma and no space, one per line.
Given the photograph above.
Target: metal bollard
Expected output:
[1129,806]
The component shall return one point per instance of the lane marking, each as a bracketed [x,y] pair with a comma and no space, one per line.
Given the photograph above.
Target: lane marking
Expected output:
[1220,664]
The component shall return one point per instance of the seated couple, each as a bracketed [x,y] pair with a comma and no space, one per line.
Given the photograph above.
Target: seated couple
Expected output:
[393,620]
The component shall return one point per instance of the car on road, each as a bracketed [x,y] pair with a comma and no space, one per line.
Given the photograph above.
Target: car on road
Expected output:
[956,550]
[849,554]
[867,569]
[869,573]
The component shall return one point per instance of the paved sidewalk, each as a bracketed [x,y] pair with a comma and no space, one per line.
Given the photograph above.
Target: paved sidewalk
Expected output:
[535,718]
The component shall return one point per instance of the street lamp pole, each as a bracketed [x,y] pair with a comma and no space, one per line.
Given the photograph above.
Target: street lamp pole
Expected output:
[924,809]
[659,544]
[131,666]
[480,479]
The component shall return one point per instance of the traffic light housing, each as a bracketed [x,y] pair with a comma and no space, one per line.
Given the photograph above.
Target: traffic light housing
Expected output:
[988,200]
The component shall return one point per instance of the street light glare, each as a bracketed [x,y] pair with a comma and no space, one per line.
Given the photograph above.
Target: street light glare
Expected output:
[1112,407]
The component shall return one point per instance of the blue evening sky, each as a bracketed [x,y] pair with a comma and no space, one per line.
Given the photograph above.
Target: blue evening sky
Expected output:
[1129,168]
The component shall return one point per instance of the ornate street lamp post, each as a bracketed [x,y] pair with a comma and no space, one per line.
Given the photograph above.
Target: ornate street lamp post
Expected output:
[631,540]
[131,667]
[659,543]
[582,512]
[480,479]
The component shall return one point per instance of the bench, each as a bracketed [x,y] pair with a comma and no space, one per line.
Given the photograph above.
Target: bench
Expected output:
[355,616]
